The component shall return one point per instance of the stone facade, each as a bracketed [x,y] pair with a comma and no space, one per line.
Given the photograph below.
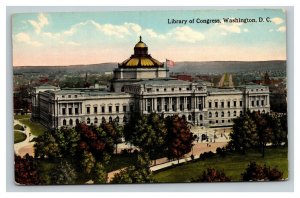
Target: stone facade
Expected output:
[144,88]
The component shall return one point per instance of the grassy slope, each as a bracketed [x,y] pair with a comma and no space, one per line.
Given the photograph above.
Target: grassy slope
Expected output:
[36,128]
[19,137]
[233,165]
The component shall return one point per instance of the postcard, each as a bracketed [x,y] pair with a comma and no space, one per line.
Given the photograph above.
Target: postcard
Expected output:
[131,97]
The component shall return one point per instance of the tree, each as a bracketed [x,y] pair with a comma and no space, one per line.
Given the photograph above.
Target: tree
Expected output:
[212,175]
[87,162]
[64,173]
[244,135]
[67,138]
[99,175]
[46,146]
[148,133]
[256,172]
[179,138]
[26,171]
[138,173]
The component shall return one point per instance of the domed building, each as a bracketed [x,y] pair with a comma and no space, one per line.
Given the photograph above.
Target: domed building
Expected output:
[141,84]
[137,67]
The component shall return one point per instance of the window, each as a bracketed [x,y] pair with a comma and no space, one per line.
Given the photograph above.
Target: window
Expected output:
[110,119]
[222,104]
[216,114]
[117,119]
[75,96]
[96,120]
[179,88]
[124,119]
[71,122]
[210,114]
[222,114]
[262,103]
[103,120]
[172,89]
[124,108]
[157,90]
[222,121]
[252,103]
[165,89]
[241,103]
[76,111]
[64,122]
[188,89]
[63,96]
[63,111]
[189,117]
[216,104]
[70,111]
[95,109]
[117,109]
[88,110]
[228,121]
[77,121]
[209,104]
[149,89]
[228,104]
[217,121]
[103,109]
[234,113]
[69,96]
[110,109]
[257,103]
[201,117]
[228,113]
[131,108]
[234,103]
[88,120]
[241,113]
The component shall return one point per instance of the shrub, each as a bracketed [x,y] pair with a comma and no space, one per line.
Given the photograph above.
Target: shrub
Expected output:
[206,155]
[256,172]
[19,127]
[212,175]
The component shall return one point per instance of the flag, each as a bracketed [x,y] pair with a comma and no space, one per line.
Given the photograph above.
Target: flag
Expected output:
[170,63]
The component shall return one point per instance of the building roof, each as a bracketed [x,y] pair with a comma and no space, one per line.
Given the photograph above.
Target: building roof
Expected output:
[140,58]
[162,81]
[220,90]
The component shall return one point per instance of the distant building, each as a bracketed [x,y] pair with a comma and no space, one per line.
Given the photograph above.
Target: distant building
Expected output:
[141,84]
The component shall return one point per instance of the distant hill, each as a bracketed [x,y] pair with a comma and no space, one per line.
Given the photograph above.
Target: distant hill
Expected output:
[186,67]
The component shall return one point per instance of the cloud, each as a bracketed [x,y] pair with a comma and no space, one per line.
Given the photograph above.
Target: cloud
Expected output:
[281,29]
[40,23]
[25,38]
[233,28]
[277,20]
[245,30]
[186,34]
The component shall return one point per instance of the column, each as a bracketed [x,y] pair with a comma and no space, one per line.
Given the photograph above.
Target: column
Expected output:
[177,104]
[162,104]
[184,103]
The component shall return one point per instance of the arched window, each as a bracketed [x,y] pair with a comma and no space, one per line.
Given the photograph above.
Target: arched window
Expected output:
[71,122]
[216,114]
[77,121]
[201,117]
[110,119]
[103,120]
[222,114]
[190,117]
[96,120]
[124,119]
[88,120]
[210,114]
[64,122]
[263,111]
[183,117]
[234,113]
[122,89]
[117,119]
[228,113]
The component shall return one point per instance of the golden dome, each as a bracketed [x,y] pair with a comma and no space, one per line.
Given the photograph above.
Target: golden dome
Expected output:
[141,58]
[141,45]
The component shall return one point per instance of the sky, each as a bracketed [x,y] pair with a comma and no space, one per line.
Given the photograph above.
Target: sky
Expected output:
[56,39]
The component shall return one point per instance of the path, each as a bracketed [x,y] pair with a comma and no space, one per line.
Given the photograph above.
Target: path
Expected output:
[24,147]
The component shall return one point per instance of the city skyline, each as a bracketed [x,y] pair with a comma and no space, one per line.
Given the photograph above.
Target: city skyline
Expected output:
[57,39]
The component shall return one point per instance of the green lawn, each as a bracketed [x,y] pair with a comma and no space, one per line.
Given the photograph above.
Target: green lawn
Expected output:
[19,137]
[120,161]
[35,127]
[233,165]
[18,117]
